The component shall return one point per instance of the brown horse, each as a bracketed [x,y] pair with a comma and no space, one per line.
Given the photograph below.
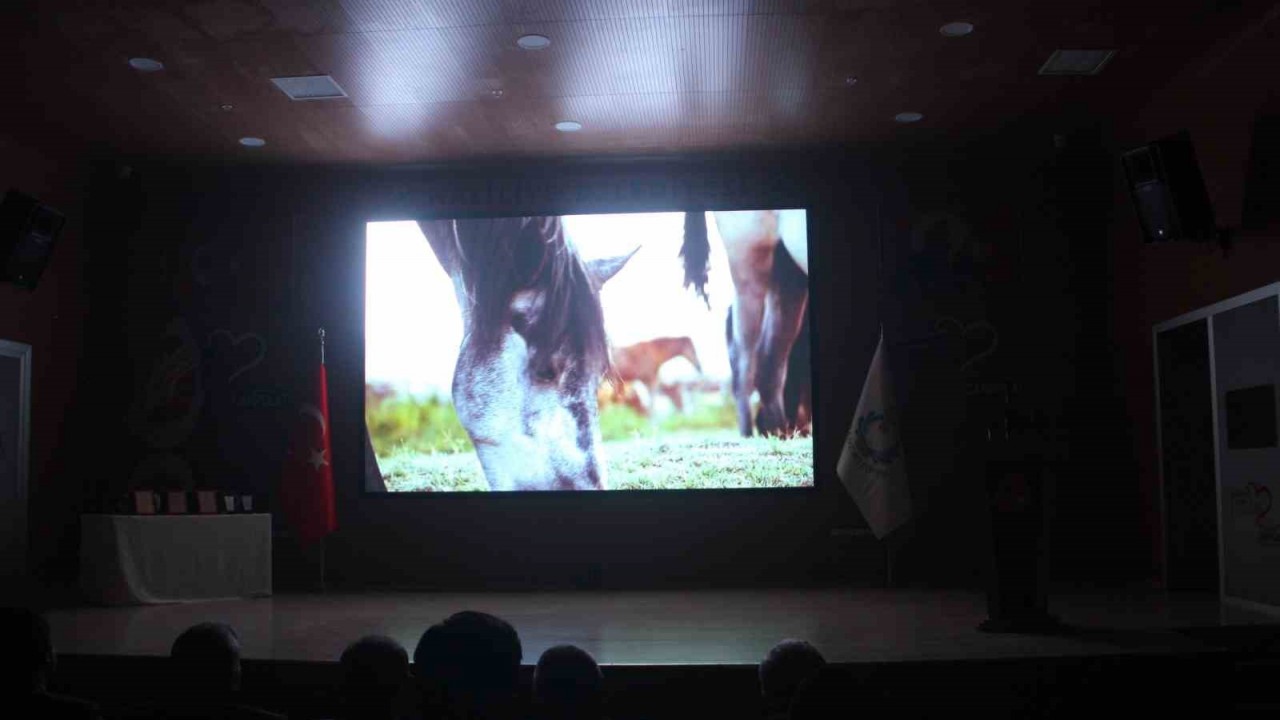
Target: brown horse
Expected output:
[640,363]
[768,262]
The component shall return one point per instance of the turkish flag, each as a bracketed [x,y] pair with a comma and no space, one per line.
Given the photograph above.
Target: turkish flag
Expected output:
[306,489]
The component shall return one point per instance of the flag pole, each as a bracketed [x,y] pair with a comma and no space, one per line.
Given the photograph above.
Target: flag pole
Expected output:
[324,540]
[888,552]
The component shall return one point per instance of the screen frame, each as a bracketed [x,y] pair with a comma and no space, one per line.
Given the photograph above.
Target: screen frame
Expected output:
[814,341]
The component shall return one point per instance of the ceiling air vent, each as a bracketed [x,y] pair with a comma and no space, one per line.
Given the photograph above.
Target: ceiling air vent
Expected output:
[1076,62]
[311,87]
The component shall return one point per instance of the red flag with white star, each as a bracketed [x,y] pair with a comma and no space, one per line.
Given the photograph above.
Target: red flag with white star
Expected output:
[306,490]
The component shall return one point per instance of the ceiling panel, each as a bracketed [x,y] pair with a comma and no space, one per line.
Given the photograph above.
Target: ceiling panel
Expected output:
[430,80]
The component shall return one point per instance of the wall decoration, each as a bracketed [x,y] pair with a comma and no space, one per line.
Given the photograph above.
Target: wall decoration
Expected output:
[236,353]
[980,338]
[167,406]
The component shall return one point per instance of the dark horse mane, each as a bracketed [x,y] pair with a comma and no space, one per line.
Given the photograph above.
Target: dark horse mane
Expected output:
[503,256]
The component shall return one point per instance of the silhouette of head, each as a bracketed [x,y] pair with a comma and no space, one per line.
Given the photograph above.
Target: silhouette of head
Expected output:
[31,651]
[567,684]
[470,665]
[787,665]
[206,660]
[374,671]
[830,693]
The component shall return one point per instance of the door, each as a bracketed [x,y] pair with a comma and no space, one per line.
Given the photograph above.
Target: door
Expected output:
[15,368]
[1187,458]
[1246,354]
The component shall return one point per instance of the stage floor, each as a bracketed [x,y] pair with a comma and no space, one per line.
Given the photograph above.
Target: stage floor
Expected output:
[666,627]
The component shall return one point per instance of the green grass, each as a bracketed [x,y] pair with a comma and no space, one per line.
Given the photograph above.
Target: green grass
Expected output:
[421,446]
[705,460]
[401,423]
[684,460]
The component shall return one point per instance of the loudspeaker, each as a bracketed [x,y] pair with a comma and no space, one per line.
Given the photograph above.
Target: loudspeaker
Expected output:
[27,233]
[1168,191]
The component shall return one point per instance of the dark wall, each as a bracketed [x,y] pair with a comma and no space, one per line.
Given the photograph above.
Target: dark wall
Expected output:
[50,319]
[232,272]
[1217,100]
[1004,277]
[995,275]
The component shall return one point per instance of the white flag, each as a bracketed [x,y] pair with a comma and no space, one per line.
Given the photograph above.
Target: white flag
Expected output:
[871,464]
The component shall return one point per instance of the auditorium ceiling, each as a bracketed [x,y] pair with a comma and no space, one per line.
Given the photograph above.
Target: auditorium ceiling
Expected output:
[432,81]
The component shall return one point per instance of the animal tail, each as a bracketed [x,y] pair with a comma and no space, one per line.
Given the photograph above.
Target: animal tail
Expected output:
[786,272]
[696,252]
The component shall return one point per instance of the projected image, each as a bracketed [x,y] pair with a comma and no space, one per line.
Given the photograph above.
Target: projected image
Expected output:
[649,351]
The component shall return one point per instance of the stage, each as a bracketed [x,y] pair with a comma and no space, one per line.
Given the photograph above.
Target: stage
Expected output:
[693,654]
[730,627]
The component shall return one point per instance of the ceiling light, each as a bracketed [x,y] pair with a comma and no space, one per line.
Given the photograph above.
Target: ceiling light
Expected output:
[956,29]
[496,92]
[851,81]
[147,65]
[254,142]
[309,87]
[908,117]
[568,126]
[228,107]
[1076,62]
[533,42]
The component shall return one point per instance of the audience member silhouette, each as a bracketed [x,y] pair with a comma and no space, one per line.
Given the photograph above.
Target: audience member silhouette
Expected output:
[788,664]
[375,673]
[568,685]
[29,648]
[468,667]
[205,677]
[827,695]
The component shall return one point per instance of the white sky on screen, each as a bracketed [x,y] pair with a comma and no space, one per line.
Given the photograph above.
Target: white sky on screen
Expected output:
[413,327]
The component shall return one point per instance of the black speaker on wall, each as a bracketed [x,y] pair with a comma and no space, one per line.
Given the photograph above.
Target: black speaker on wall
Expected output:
[27,233]
[1168,191]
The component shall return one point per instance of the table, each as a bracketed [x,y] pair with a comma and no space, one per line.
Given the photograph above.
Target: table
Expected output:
[146,559]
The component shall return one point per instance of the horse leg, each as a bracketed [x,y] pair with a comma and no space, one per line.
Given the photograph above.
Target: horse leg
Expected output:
[747,317]
[784,310]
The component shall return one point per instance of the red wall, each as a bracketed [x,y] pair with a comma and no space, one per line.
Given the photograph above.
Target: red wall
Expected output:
[1216,99]
[50,319]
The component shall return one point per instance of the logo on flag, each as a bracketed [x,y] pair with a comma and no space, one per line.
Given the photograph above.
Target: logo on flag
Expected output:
[871,465]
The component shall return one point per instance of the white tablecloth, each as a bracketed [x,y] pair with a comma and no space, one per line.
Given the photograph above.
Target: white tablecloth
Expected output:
[141,559]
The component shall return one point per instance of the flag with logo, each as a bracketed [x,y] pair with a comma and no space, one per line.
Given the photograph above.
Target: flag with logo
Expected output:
[306,490]
[871,465]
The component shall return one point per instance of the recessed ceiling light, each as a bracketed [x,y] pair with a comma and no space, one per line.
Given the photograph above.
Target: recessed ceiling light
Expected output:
[533,42]
[956,29]
[146,65]
[496,92]
[851,81]
[228,106]
[252,142]
[908,117]
[568,126]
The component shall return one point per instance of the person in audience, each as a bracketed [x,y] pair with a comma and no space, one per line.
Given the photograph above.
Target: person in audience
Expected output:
[787,665]
[29,646]
[829,694]
[205,678]
[375,672]
[568,685]
[468,667]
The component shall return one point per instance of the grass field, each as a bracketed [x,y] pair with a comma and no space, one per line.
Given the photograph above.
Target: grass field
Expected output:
[421,446]
[683,460]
